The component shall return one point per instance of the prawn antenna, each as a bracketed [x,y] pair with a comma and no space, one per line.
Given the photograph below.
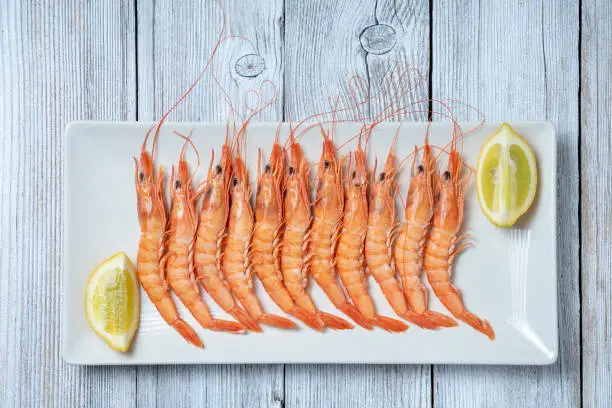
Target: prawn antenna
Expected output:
[193,85]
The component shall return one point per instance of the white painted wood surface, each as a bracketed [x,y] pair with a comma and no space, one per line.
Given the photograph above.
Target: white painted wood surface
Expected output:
[519,60]
[128,60]
[596,180]
[58,64]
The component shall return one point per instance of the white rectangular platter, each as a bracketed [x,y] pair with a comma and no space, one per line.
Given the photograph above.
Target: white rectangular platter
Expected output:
[509,276]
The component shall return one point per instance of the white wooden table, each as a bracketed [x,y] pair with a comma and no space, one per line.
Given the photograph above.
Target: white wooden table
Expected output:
[128,60]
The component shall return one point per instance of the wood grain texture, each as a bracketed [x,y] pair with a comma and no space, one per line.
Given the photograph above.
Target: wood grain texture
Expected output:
[58,64]
[77,60]
[322,51]
[348,385]
[399,78]
[174,43]
[519,60]
[596,181]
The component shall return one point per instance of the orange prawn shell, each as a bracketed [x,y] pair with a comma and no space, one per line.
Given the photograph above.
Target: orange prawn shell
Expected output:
[420,199]
[151,206]
[330,192]
[215,202]
[183,217]
[450,186]
[356,184]
[268,202]
[241,195]
[296,189]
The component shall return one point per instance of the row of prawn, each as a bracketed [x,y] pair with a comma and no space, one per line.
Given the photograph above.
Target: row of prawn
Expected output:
[349,230]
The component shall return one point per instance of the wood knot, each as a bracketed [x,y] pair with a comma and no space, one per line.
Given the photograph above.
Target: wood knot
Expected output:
[250,65]
[378,39]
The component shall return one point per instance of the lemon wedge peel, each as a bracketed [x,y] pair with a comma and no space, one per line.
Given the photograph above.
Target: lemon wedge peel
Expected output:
[118,276]
[506,210]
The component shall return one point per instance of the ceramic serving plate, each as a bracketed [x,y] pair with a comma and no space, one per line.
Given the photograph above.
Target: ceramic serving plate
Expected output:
[509,276]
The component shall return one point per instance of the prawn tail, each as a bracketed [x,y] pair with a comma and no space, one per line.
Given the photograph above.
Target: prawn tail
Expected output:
[278,321]
[335,322]
[351,311]
[244,318]
[226,326]
[187,332]
[430,320]
[311,320]
[482,325]
[389,324]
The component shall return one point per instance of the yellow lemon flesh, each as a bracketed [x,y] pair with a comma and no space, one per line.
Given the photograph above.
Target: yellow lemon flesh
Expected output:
[507,177]
[112,301]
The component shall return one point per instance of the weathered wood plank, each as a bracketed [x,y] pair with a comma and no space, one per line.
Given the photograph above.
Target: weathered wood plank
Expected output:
[519,61]
[596,178]
[323,48]
[408,59]
[174,43]
[59,63]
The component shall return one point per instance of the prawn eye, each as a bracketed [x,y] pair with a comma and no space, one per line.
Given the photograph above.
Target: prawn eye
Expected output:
[382,176]
[219,169]
[420,169]
[291,170]
[267,168]
[235,181]
[141,176]
[177,184]
[326,163]
[354,174]
[447,175]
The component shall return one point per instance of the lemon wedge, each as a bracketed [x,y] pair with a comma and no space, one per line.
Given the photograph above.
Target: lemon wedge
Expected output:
[112,301]
[507,177]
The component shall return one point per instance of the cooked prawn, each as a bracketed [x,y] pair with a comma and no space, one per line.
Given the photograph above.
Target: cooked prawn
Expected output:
[213,220]
[379,240]
[265,244]
[152,216]
[235,259]
[410,243]
[178,261]
[350,262]
[328,210]
[445,243]
[298,218]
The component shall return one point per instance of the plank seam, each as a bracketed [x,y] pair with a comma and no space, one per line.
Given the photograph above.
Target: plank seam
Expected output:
[282,38]
[136,55]
[283,107]
[580,294]
[429,117]
[430,74]
[282,401]
[544,58]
